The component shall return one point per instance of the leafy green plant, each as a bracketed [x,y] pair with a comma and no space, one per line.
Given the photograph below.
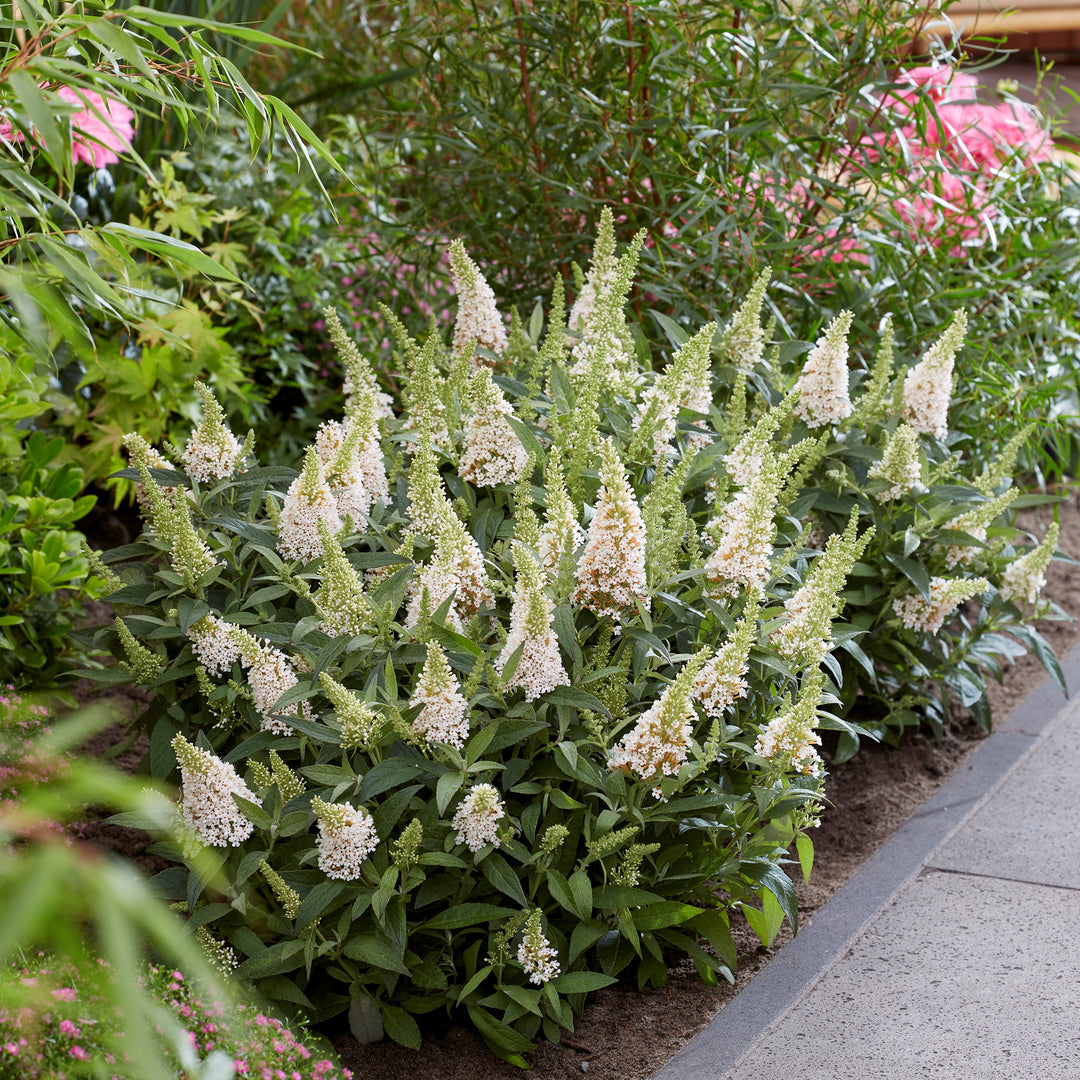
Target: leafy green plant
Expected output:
[452,750]
[43,577]
[97,300]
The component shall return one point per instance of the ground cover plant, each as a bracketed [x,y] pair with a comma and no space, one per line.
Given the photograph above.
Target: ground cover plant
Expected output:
[511,689]
[66,997]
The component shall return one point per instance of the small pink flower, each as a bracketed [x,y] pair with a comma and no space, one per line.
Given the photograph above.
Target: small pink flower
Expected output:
[65,993]
[68,1028]
[241,1066]
[11,1048]
[80,1053]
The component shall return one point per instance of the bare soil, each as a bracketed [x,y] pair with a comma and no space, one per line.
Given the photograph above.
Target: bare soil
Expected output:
[626,1034]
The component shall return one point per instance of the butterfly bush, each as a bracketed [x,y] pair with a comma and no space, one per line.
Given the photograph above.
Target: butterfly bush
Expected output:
[487,742]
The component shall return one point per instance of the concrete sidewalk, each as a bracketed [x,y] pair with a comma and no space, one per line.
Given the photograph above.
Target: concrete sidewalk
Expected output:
[954,952]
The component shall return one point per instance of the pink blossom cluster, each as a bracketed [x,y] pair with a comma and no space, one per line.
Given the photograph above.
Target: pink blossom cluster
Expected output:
[101,127]
[64,1023]
[952,146]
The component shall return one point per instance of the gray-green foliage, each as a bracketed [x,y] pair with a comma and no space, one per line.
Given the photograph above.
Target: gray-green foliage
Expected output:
[640,735]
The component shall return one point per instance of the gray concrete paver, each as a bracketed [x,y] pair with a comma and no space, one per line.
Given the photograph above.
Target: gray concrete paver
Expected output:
[1028,830]
[960,976]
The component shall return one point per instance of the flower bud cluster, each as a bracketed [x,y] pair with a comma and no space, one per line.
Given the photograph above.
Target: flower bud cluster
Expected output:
[928,385]
[824,397]
[946,595]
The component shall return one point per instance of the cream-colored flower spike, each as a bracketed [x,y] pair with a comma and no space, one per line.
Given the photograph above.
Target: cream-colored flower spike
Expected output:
[899,465]
[493,453]
[611,574]
[308,500]
[928,385]
[823,385]
[444,717]
[743,340]
[946,595]
[540,668]
[213,452]
[478,319]
[601,274]
[206,796]
[1024,579]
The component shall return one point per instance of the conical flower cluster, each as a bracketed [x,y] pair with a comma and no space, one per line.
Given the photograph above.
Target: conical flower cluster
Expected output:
[928,385]
[308,501]
[607,349]
[188,552]
[213,641]
[535,953]
[141,453]
[206,796]
[562,534]
[722,681]
[213,452]
[359,377]
[899,465]
[456,569]
[807,635]
[611,573]
[340,599]
[601,275]
[353,461]
[745,530]
[1024,579]
[657,744]
[346,838]
[743,342]
[946,595]
[478,318]
[444,717]
[359,724]
[685,382]
[744,461]
[539,667]
[493,452]
[789,738]
[477,818]
[823,385]
[269,675]
[426,410]
[975,523]
[429,509]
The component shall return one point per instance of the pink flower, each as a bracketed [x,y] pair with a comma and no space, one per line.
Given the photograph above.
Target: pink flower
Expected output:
[65,993]
[68,1028]
[100,131]
[79,1053]
[940,83]
[11,1048]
